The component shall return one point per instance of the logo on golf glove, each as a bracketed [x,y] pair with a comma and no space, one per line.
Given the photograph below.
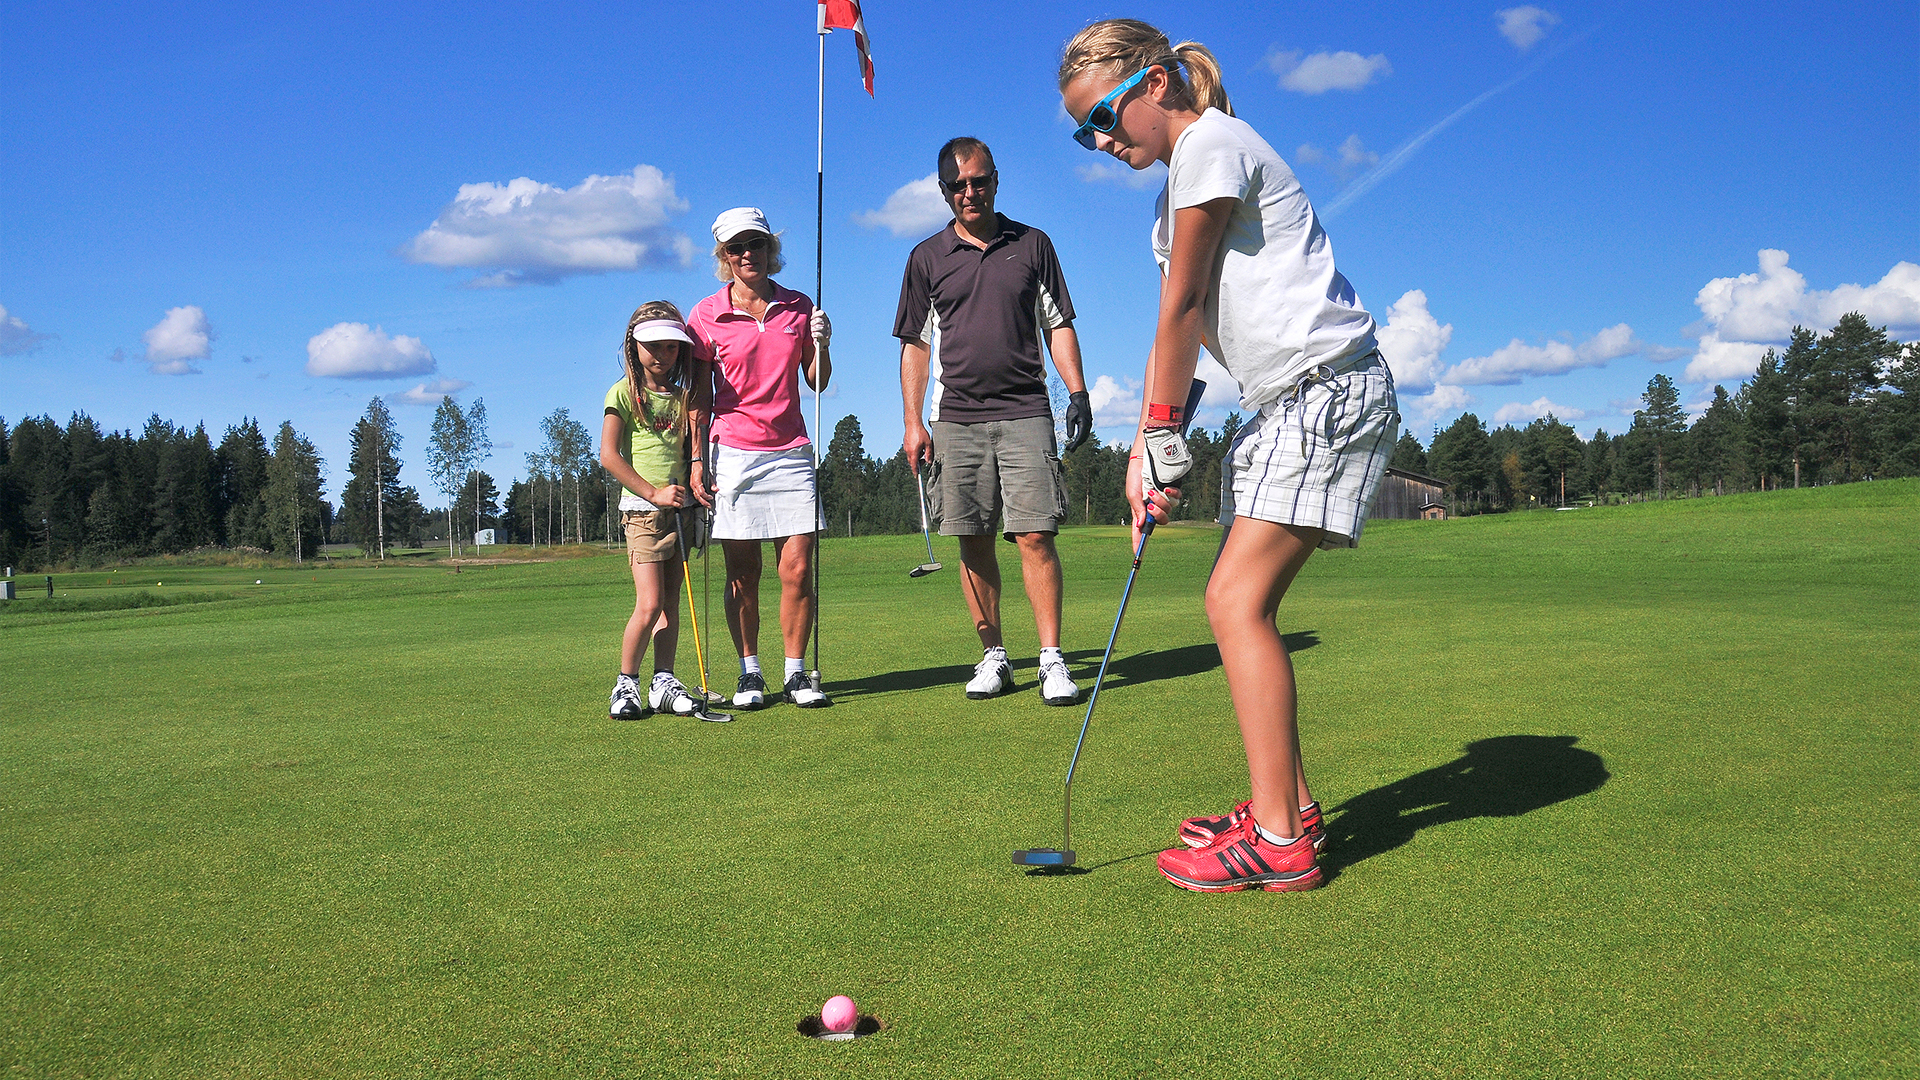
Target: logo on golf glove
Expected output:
[1167,457]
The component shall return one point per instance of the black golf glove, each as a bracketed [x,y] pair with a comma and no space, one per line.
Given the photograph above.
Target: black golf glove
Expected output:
[1079,419]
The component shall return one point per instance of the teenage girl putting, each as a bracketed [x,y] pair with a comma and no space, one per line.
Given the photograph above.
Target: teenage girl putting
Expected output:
[1246,270]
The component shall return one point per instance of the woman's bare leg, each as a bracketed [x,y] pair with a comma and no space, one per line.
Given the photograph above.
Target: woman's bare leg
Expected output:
[743,595]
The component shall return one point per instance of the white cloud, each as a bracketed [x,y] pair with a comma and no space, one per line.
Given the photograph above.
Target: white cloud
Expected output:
[1768,305]
[1516,359]
[914,208]
[1444,399]
[1749,312]
[177,340]
[16,337]
[1412,341]
[1533,410]
[526,231]
[1116,403]
[1718,360]
[358,351]
[1525,26]
[1322,71]
[430,392]
[1099,172]
[1354,157]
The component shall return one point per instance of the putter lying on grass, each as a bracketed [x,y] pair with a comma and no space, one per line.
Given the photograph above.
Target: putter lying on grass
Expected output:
[926,530]
[1063,856]
[707,697]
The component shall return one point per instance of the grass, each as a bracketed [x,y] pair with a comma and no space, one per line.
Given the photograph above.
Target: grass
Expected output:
[1616,792]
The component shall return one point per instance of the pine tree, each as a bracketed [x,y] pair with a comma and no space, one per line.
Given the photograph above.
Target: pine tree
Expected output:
[1460,456]
[292,495]
[374,467]
[1661,425]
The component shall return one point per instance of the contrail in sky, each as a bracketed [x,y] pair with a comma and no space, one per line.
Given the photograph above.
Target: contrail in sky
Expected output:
[1392,162]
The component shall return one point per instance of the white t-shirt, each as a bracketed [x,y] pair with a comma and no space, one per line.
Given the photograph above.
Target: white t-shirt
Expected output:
[1277,307]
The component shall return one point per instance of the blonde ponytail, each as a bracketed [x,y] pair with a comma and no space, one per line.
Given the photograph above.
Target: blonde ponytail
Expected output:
[1203,77]
[1116,48]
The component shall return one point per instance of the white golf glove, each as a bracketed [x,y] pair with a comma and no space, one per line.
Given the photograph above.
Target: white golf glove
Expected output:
[1167,458]
[821,326]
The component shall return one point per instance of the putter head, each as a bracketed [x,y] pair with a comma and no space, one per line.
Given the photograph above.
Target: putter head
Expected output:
[813,680]
[706,713]
[923,569]
[1045,856]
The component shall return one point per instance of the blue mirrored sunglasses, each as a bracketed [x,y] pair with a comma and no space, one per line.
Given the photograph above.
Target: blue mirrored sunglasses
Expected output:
[1103,115]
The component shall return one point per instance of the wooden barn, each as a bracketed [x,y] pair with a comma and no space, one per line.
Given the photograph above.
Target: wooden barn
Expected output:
[1408,496]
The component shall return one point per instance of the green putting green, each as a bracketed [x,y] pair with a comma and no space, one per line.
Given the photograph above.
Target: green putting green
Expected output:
[1615,792]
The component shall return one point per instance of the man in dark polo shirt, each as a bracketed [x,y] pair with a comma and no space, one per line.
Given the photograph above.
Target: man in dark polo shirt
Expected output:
[977,300]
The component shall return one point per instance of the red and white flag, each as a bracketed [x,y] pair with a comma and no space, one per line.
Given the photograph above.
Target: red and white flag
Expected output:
[845,15]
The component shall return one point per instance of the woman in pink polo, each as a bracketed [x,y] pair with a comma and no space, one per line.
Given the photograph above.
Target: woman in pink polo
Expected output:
[759,339]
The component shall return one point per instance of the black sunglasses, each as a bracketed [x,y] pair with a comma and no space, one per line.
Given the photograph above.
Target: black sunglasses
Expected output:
[758,243]
[976,183]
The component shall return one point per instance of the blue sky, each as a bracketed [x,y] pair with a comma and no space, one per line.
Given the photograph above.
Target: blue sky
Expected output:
[210,211]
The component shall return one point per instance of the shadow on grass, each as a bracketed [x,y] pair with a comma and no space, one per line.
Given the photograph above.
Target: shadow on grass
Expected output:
[1123,671]
[1504,776]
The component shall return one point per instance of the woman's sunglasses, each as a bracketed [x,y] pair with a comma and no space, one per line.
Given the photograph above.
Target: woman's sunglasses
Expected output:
[1103,115]
[758,243]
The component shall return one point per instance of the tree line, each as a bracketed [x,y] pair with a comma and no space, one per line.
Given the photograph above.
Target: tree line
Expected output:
[1831,409]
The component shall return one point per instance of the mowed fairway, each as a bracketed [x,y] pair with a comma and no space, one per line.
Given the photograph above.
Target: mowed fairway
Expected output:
[376,823]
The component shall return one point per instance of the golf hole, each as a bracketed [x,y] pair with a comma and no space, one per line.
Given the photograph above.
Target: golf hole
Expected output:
[812,1028]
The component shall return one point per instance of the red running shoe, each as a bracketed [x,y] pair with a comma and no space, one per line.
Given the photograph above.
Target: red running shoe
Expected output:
[1243,859]
[1204,832]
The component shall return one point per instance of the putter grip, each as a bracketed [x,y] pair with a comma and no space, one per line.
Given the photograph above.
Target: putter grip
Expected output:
[1194,393]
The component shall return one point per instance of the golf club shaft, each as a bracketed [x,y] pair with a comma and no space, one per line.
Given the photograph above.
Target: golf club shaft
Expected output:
[686,571]
[1195,391]
[1066,812]
[926,529]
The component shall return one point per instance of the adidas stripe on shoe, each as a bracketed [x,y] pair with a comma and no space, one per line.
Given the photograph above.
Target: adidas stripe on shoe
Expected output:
[1243,859]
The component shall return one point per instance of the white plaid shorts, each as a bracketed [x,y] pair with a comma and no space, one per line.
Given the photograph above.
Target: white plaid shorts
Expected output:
[1315,457]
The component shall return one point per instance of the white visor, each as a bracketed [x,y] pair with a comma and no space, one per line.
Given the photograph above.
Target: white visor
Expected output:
[660,330]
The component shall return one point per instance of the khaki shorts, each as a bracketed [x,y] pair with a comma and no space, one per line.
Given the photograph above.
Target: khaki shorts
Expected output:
[650,536]
[982,471]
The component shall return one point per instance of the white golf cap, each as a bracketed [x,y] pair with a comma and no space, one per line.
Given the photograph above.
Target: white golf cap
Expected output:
[740,219]
[660,330]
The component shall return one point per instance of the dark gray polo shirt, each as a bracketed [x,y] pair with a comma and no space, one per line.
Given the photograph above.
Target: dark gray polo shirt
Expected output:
[981,315]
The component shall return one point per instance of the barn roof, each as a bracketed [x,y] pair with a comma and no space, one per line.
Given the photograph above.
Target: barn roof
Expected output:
[1416,477]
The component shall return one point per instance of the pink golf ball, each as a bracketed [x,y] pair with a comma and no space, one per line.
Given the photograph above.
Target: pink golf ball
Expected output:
[839,1014]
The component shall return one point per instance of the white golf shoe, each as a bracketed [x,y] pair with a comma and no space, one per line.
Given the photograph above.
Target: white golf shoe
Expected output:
[668,695]
[992,676]
[626,703]
[1056,686]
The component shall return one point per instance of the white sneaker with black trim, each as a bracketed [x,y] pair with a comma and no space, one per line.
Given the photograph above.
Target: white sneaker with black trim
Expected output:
[800,692]
[751,692]
[1056,686]
[992,676]
[626,703]
[668,695]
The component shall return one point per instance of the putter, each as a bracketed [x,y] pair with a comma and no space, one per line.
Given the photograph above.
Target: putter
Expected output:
[926,530]
[707,697]
[1063,855]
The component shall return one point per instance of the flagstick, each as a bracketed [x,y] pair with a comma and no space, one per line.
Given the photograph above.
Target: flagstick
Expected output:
[819,262]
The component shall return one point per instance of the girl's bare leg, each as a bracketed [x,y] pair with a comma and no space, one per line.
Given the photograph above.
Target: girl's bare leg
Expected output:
[666,629]
[1257,564]
[648,613]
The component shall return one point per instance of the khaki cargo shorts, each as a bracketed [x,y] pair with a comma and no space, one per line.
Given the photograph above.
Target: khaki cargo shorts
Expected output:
[983,471]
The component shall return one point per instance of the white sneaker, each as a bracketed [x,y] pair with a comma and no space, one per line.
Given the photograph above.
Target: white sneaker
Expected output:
[800,692]
[992,676]
[626,703]
[1056,686]
[668,695]
[751,693]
